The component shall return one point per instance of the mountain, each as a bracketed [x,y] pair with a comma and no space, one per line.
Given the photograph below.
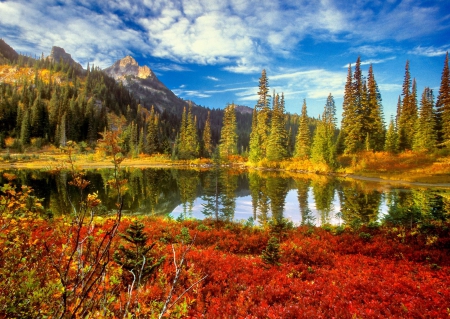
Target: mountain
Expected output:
[145,86]
[57,54]
[7,54]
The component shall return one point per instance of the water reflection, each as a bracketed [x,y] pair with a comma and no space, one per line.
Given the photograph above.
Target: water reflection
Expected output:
[260,196]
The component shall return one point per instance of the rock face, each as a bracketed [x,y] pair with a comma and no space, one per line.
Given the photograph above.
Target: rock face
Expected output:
[129,67]
[145,85]
[58,54]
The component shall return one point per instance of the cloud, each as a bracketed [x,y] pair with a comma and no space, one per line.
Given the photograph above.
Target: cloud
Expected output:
[371,50]
[169,67]
[212,78]
[430,51]
[372,61]
[190,93]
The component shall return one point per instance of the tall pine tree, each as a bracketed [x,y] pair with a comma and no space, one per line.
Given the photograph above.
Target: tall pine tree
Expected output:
[425,134]
[443,106]
[277,143]
[228,134]
[303,140]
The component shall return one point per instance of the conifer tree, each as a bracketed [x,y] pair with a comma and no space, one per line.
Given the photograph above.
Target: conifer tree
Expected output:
[375,123]
[271,255]
[425,135]
[228,134]
[25,128]
[277,143]
[391,143]
[255,141]
[351,116]
[303,140]
[137,259]
[323,148]
[207,137]
[443,106]
[152,133]
[263,117]
[408,114]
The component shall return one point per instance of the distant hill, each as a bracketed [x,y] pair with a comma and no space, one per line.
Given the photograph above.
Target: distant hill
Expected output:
[59,54]
[7,54]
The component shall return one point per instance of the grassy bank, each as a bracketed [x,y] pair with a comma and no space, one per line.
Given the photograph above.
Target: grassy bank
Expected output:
[407,166]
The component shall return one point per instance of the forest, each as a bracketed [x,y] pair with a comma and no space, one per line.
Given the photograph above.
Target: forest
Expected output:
[44,102]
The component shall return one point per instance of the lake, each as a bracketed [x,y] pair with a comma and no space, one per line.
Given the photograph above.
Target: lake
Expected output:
[256,196]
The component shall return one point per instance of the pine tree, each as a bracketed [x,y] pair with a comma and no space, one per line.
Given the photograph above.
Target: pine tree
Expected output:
[228,134]
[255,141]
[263,114]
[271,255]
[408,115]
[277,143]
[351,117]
[391,143]
[443,106]
[152,133]
[138,258]
[375,123]
[425,137]
[207,138]
[323,149]
[25,129]
[303,140]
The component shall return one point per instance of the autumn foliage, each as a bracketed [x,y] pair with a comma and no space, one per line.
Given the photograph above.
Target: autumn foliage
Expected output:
[393,272]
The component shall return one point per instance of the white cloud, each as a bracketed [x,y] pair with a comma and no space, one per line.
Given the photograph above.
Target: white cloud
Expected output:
[372,61]
[430,51]
[212,78]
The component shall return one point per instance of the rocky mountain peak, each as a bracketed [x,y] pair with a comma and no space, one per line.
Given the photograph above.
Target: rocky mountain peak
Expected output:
[58,54]
[128,66]
[128,60]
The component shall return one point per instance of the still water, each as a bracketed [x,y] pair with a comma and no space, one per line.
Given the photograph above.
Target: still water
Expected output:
[250,196]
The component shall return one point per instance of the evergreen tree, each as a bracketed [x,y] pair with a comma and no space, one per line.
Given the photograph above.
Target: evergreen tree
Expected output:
[408,115]
[425,136]
[228,134]
[375,123]
[351,116]
[443,106]
[137,259]
[25,129]
[255,141]
[303,140]
[207,137]
[277,143]
[263,116]
[152,133]
[271,255]
[391,143]
[323,149]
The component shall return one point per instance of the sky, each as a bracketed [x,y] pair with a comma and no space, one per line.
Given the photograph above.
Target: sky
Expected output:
[213,51]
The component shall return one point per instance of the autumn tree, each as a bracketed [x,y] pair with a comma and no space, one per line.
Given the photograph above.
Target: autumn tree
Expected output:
[303,140]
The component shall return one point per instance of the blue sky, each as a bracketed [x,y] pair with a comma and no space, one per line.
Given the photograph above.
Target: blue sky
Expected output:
[213,51]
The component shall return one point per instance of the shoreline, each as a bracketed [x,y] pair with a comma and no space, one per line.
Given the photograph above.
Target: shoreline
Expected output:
[49,164]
